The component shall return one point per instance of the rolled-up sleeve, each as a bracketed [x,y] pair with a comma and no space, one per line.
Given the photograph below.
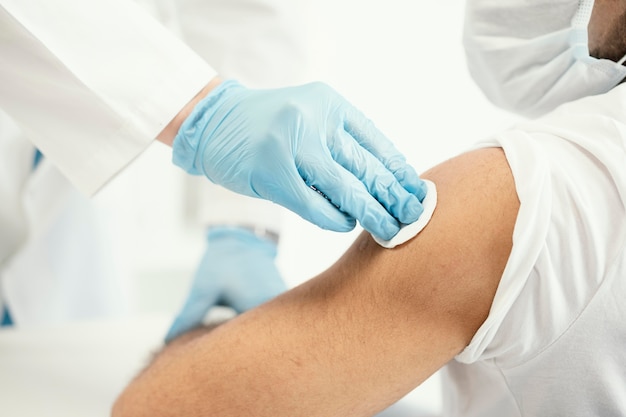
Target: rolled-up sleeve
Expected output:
[92,83]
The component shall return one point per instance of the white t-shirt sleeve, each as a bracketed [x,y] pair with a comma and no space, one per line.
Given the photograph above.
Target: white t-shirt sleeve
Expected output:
[92,83]
[571,183]
[533,189]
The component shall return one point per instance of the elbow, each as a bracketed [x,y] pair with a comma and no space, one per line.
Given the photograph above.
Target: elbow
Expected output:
[120,406]
[130,404]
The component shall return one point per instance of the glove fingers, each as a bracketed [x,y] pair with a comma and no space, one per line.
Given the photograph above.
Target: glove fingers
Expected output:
[369,137]
[378,180]
[309,203]
[350,195]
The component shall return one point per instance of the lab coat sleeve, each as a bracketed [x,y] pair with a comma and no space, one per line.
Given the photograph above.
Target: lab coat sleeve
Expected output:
[92,83]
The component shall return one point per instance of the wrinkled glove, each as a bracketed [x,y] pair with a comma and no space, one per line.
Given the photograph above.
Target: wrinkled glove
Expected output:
[305,148]
[237,271]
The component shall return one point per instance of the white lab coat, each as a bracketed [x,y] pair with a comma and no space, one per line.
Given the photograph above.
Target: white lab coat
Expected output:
[91,84]
[56,262]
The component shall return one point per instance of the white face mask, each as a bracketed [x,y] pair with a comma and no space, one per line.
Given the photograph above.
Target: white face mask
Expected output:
[529,56]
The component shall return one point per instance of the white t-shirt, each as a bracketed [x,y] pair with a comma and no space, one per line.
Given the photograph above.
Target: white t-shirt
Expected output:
[554,343]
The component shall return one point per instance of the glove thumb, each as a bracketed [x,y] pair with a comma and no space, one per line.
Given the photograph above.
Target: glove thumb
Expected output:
[190,317]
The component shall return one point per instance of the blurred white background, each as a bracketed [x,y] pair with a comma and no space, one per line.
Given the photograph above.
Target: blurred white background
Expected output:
[401,62]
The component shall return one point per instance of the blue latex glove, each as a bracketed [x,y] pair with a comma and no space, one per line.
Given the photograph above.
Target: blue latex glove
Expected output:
[237,271]
[284,144]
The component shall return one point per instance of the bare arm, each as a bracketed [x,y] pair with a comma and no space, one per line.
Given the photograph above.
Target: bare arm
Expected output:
[355,339]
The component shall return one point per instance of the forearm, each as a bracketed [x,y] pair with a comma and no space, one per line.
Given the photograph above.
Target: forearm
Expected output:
[364,333]
[168,134]
[264,365]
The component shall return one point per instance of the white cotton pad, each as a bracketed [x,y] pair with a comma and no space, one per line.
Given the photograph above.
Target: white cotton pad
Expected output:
[409,231]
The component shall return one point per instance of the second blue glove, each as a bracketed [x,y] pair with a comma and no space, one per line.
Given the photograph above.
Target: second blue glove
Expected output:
[238,270]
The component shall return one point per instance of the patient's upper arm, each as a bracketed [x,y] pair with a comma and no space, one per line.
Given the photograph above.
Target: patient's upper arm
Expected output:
[363,333]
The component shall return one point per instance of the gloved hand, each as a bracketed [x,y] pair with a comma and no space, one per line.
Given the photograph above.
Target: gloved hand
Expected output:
[237,271]
[285,144]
